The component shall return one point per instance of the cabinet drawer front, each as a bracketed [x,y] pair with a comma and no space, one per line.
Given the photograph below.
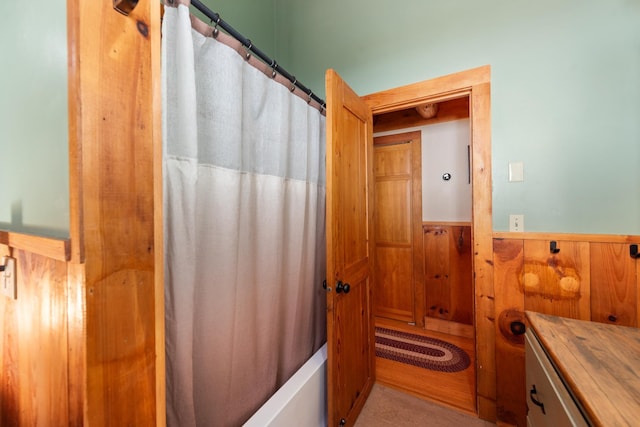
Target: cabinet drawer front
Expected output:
[545,387]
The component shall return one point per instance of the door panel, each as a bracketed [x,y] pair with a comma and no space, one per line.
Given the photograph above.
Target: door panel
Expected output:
[392,219]
[350,333]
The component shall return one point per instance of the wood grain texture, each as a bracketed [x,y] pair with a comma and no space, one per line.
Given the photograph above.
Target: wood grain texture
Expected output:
[598,362]
[58,249]
[448,271]
[439,89]
[350,251]
[509,288]
[559,283]
[113,226]
[34,348]
[613,284]
[483,244]
[395,215]
[453,109]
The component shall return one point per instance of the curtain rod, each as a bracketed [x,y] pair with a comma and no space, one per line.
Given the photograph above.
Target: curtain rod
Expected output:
[219,22]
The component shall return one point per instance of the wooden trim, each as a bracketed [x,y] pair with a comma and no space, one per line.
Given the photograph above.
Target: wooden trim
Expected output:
[398,138]
[75,132]
[58,249]
[448,327]
[568,237]
[446,223]
[155,19]
[439,89]
[483,249]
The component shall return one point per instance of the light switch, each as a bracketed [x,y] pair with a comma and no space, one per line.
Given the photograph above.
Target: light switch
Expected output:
[516,171]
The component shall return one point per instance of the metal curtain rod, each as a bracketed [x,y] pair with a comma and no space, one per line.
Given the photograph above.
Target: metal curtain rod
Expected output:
[219,22]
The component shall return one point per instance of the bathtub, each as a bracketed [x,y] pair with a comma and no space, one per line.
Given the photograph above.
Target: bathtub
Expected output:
[301,401]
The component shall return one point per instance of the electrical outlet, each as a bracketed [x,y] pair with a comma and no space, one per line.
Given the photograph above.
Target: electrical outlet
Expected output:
[8,276]
[516,223]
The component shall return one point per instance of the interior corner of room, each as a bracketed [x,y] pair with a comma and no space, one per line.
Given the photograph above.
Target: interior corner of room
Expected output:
[266,213]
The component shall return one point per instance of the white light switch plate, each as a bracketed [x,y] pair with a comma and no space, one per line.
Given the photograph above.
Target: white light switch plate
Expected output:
[516,223]
[8,276]
[516,171]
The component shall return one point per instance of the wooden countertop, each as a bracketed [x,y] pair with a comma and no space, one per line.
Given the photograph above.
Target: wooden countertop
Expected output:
[599,363]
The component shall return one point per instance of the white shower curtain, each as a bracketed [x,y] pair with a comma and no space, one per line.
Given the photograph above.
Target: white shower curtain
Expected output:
[244,227]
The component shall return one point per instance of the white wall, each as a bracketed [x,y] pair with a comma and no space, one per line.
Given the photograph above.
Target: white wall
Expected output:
[444,150]
[34,153]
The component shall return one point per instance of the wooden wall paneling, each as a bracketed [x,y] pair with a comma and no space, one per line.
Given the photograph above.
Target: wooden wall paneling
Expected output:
[77,366]
[557,284]
[436,271]
[613,284]
[448,281]
[34,347]
[508,258]
[460,275]
[117,60]
[9,359]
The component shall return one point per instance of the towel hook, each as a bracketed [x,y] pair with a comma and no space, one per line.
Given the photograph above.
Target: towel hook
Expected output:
[633,251]
[553,247]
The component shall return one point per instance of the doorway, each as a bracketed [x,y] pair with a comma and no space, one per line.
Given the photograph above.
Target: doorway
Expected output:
[350,244]
[423,271]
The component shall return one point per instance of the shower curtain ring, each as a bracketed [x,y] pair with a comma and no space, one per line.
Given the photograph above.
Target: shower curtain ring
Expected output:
[248,55]
[274,67]
[309,96]
[293,84]
[215,29]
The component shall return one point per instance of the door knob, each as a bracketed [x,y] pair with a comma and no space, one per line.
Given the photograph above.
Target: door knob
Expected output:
[342,287]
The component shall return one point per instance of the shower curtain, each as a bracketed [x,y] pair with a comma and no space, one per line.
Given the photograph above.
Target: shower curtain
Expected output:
[244,228]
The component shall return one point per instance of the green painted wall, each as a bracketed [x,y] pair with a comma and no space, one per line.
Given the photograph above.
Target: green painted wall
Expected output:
[34,187]
[565,89]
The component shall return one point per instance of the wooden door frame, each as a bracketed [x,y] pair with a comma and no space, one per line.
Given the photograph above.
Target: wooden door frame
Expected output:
[476,84]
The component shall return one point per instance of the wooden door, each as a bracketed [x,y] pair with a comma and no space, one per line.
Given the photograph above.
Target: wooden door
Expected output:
[398,282]
[350,333]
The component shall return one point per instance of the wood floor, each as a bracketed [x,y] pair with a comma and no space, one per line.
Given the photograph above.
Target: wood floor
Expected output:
[455,389]
[387,407]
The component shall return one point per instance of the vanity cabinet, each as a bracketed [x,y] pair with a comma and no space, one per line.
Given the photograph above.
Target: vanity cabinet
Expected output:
[548,400]
[581,373]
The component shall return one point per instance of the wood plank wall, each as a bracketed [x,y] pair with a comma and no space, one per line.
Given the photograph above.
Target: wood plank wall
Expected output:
[591,277]
[35,343]
[83,342]
[448,283]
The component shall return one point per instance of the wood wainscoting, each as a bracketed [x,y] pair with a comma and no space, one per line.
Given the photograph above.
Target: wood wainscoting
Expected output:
[586,277]
[83,343]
